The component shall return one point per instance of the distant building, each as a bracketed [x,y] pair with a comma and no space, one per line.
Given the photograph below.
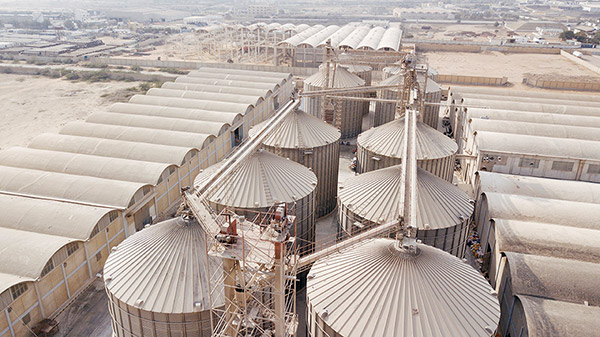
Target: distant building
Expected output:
[592,7]
[429,13]
[261,10]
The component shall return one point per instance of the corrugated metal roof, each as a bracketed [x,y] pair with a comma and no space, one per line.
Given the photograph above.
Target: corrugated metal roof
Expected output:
[390,39]
[26,253]
[533,117]
[82,164]
[354,38]
[525,93]
[238,77]
[554,278]
[537,145]
[371,40]
[540,107]
[339,35]
[376,197]
[162,269]
[67,187]
[302,35]
[555,318]
[160,123]
[320,36]
[552,211]
[112,148]
[49,216]
[206,96]
[536,129]
[246,72]
[388,140]
[221,82]
[300,130]
[164,139]
[356,68]
[523,237]
[534,100]
[539,187]
[264,93]
[339,77]
[188,103]
[165,111]
[375,290]
[9,280]
[260,181]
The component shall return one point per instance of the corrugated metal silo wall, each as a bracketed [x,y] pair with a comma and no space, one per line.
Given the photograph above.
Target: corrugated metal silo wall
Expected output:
[451,239]
[367,77]
[431,113]
[128,321]
[370,161]
[352,112]
[324,162]
[316,325]
[305,219]
[384,112]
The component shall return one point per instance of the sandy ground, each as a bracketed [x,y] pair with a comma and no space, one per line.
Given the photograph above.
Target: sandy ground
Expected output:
[496,64]
[32,105]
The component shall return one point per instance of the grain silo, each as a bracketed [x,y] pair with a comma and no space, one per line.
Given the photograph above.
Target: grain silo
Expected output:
[382,147]
[366,73]
[315,144]
[385,112]
[374,198]
[262,180]
[375,289]
[157,282]
[350,123]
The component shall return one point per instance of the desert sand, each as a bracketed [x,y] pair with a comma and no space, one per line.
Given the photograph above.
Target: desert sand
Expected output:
[32,105]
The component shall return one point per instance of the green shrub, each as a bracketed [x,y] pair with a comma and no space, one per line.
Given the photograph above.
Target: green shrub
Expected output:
[136,68]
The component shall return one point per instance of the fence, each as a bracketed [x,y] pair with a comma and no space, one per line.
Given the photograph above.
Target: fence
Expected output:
[472,80]
[561,85]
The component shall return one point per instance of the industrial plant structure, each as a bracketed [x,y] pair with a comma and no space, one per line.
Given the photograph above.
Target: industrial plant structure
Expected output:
[315,144]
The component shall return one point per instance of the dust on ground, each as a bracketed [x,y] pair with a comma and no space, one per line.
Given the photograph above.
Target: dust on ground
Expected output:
[497,64]
[32,105]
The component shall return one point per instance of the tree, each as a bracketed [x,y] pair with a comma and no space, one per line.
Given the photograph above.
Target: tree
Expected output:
[68,24]
[567,35]
[582,37]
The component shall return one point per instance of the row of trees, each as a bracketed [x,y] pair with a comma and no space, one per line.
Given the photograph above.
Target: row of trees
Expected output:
[581,36]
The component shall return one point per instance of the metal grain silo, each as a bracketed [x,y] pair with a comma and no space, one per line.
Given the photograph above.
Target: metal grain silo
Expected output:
[262,180]
[385,112]
[373,198]
[350,124]
[382,147]
[315,144]
[157,282]
[375,289]
[364,72]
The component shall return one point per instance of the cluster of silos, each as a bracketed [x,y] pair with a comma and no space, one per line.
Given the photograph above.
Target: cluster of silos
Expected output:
[313,143]
[382,147]
[262,180]
[157,282]
[385,112]
[350,112]
[376,289]
[366,73]
[375,198]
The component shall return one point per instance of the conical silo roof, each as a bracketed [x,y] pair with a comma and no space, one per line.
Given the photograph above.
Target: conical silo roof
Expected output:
[432,86]
[162,269]
[260,181]
[376,196]
[340,78]
[388,140]
[376,290]
[356,68]
[300,130]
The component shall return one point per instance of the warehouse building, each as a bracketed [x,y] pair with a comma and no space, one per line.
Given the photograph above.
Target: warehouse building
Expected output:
[124,169]
[562,158]
[37,280]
